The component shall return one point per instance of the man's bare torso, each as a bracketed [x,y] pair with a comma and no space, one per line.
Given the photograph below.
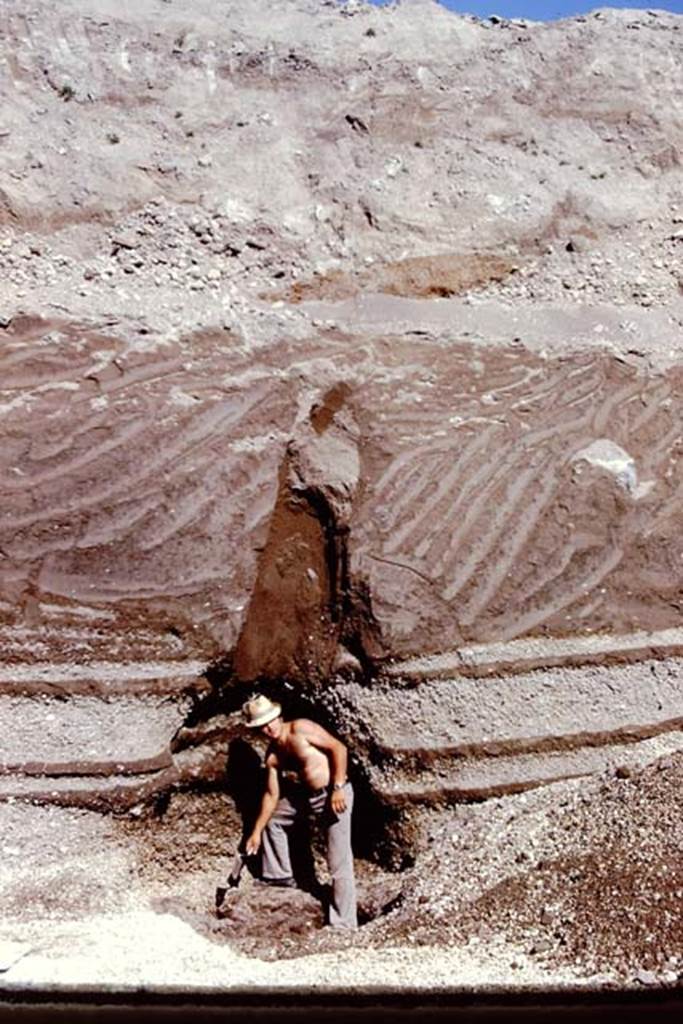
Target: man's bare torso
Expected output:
[293,753]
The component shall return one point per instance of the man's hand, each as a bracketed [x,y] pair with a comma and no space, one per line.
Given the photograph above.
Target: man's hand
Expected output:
[338,801]
[253,843]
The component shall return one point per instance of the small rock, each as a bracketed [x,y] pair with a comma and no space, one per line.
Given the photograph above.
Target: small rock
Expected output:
[345,662]
[123,240]
[646,978]
[577,243]
[205,161]
[356,123]
[541,946]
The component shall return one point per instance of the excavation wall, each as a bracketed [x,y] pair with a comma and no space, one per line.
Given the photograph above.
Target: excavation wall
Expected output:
[336,360]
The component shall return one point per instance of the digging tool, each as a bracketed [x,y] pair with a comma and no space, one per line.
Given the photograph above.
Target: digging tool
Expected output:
[238,863]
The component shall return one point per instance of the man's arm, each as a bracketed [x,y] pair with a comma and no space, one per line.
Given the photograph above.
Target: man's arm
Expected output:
[269,801]
[336,752]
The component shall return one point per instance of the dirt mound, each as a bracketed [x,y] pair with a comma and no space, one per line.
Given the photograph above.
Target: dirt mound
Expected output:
[588,876]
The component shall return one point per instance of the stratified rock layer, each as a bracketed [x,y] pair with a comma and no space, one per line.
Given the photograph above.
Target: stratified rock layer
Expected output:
[146,482]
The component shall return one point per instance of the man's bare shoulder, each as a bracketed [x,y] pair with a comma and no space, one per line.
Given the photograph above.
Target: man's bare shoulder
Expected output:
[311,731]
[303,725]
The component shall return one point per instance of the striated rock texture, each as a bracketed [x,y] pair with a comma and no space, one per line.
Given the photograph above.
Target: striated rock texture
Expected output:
[340,354]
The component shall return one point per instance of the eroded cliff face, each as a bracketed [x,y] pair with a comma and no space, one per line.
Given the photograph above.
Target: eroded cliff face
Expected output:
[340,355]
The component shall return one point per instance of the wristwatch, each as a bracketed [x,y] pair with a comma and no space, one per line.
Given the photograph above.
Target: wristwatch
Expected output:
[338,785]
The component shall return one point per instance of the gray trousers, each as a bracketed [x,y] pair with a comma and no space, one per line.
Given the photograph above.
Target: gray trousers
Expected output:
[276,861]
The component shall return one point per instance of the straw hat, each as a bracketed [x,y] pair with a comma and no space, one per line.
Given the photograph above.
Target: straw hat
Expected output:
[259,710]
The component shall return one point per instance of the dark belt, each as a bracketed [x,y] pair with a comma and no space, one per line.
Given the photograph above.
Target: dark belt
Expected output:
[293,782]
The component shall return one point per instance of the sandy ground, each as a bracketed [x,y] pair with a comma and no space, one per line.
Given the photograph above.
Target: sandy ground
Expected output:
[508,895]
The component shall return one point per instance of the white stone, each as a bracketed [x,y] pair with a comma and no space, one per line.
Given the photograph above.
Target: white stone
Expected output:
[608,455]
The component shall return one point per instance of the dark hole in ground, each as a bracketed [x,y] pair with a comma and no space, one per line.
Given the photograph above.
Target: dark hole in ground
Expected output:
[380,833]
[277,924]
[185,855]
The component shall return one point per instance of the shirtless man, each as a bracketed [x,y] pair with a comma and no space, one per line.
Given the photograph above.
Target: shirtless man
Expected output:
[305,774]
